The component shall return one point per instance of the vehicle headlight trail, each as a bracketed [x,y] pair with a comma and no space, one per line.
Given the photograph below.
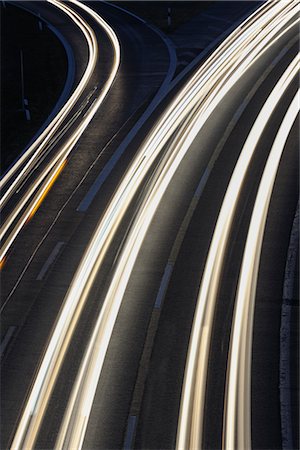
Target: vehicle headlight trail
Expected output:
[29,424]
[237,409]
[189,433]
[34,151]
[77,414]
[20,214]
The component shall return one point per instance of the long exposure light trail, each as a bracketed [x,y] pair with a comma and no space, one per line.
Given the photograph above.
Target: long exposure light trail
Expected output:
[189,434]
[38,145]
[237,410]
[21,212]
[201,95]
[67,148]
[28,427]
[76,417]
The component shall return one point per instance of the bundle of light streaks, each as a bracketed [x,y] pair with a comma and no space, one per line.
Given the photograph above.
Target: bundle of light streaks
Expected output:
[237,432]
[189,434]
[75,421]
[8,183]
[201,95]
[29,201]
[29,424]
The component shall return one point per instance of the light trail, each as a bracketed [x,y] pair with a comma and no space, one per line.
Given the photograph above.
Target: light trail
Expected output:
[237,410]
[75,421]
[29,424]
[21,212]
[37,147]
[189,434]
[200,95]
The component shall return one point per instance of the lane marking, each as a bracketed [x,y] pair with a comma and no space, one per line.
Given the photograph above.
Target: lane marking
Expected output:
[53,255]
[163,285]
[129,433]
[6,339]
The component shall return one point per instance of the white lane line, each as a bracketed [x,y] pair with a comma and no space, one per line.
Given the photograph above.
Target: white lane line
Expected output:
[169,43]
[165,88]
[189,432]
[63,153]
[7,339]
[92,192]
[129,433]
[163,285]
[38,398]
[33,151]
[53,255]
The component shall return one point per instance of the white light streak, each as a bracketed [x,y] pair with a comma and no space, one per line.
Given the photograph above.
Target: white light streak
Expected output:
[189,434]
[237,413]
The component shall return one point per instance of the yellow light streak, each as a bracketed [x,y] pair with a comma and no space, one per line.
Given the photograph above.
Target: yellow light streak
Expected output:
[29,424]
[2,262]
[46,189]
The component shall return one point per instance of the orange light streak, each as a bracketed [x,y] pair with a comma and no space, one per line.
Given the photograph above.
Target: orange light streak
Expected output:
[46,189]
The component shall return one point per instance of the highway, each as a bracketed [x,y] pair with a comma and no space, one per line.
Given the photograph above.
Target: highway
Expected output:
[16,178]
[194,410]
[42,230]
[155,315]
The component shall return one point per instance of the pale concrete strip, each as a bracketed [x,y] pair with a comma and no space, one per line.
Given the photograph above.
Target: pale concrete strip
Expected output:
[285,337]
[128,442]
[53,255]
[6,340]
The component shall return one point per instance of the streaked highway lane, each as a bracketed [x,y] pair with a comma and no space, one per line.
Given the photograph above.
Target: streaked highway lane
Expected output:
[237,410]
[57,163]
[193,396]
[125,102]
[40,185]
